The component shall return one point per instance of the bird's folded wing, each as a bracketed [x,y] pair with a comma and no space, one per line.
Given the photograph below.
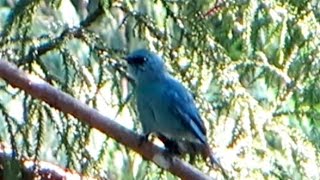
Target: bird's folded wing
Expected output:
[183,106]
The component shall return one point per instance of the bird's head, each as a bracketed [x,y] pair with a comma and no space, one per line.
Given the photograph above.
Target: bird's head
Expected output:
[145,66]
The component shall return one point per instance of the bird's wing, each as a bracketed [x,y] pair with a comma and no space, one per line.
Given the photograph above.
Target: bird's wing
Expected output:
[183,106]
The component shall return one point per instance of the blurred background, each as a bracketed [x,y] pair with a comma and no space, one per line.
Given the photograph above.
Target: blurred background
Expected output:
[252,65]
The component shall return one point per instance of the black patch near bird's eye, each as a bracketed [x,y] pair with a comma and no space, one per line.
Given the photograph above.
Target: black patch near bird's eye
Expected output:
[138,60]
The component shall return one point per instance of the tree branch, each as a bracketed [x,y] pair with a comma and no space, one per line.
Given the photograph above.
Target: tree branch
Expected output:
[44,170]
[40,89]
[55,42]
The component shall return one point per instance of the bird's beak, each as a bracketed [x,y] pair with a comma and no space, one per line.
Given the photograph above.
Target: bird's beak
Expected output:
[124,58]
[127,59]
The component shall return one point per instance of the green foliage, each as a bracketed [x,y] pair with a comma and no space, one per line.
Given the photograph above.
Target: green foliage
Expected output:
[253,67]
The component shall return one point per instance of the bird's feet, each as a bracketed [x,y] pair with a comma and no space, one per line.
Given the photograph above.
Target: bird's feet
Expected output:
[143,139]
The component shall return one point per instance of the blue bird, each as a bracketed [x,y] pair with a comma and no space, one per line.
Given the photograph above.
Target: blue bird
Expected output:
[165,107]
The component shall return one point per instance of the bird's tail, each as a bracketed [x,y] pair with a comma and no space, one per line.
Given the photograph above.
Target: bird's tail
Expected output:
[214,161]
[207,153]
[183,147]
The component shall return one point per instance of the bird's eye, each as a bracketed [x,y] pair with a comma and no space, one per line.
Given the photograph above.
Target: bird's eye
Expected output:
[137,60]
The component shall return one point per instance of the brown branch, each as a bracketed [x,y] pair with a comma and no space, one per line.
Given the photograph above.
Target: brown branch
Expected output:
[39,89]
[45,170]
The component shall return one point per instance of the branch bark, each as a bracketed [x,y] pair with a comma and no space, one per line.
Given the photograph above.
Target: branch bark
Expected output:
[40,89]
[44,170]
